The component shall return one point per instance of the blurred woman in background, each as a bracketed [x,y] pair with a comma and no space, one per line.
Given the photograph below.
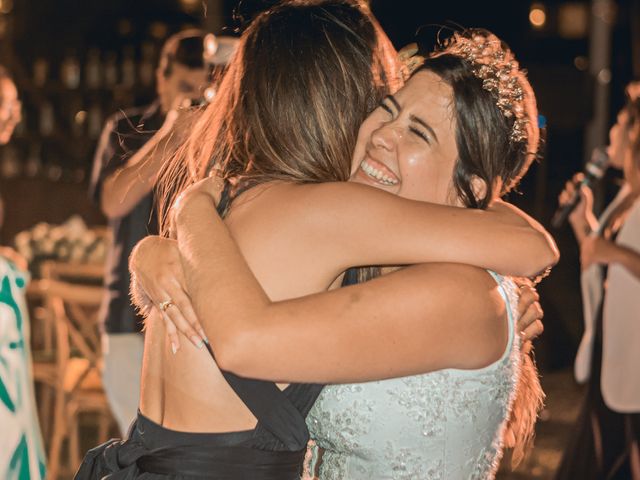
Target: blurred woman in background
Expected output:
[21,449]
[605,441]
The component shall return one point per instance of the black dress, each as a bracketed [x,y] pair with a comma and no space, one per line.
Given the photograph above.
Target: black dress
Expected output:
[273,450]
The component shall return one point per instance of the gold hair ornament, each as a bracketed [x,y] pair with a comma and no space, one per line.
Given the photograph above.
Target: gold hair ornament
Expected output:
[493,63]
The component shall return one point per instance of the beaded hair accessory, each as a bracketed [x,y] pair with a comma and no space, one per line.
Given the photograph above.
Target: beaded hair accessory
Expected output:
[493,63]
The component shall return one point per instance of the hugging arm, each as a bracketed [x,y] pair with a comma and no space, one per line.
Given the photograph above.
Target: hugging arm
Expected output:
[349,224]
[352,224]
[412,321]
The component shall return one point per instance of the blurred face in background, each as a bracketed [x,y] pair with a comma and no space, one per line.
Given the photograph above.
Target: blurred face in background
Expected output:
[181,83]
[10,109]
[619,140]
[624,148]
[631,165]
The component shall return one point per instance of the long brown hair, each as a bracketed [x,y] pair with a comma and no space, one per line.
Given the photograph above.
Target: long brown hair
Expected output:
[304,77]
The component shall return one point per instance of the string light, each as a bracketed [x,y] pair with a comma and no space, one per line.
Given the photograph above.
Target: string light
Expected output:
[537,15]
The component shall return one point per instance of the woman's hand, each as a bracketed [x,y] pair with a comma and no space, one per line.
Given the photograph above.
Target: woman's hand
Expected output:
[582,219]
[633,91]
[210,187]
[12,255]
[530,312]
[157,281]
[594,249]
[542,251]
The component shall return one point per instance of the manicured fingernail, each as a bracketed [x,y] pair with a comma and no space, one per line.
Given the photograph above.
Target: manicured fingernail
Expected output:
[197,341]
[174,348]
[205,339]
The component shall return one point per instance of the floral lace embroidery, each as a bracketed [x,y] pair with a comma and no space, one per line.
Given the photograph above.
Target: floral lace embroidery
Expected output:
[443,425]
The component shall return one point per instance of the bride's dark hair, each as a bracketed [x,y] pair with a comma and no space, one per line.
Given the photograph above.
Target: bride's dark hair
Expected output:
[489,151]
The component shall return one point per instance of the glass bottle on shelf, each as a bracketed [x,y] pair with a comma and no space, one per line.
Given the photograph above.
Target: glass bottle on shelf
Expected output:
[10,166]
[40,72]
[78,122]
[54,172]
[70,71]
[128,67]
[147,69]
[76,116]
[93,69]
[33,165]
[111,70]
[94,120]
[46,120]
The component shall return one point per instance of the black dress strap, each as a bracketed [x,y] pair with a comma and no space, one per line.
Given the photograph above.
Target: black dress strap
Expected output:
[270,405]
[225,199]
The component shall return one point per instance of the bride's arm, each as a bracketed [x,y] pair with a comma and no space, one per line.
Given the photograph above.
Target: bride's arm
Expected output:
[415,320]
[351,224]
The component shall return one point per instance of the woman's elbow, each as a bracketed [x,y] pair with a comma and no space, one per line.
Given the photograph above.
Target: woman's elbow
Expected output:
[545,255]
[111,207]
[232,352]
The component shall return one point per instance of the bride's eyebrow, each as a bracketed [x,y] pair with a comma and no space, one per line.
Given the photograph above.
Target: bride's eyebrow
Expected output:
[419,121]
[393,100]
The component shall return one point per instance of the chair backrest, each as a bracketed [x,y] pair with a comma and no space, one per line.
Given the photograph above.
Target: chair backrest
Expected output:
[74,311]
[43,328]
[83,273]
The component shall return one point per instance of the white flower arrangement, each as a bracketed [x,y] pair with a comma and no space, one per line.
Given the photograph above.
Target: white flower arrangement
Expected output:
[71,241]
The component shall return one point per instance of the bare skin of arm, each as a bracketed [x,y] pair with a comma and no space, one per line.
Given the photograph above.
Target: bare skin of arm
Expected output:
[284,272]
[124,188]
[598,250]
[412,321]
[166,280]
[595,249]
[353,224]
[387,236]
[581,219]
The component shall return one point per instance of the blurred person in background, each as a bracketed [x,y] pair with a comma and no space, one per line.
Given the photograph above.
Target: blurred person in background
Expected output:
[10,114]
[21,449]
[10,106]
[605,440]
[122,184]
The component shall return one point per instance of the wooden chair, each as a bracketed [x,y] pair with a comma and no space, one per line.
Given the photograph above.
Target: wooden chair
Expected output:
[45,367]
[73,310]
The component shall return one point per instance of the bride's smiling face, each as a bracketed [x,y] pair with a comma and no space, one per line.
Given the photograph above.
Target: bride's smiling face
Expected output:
[407,146]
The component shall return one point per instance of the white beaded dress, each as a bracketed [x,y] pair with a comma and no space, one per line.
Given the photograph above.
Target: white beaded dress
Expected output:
[444,425]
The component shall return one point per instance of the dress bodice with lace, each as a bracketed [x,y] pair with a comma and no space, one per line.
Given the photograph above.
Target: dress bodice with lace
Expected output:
[442,425]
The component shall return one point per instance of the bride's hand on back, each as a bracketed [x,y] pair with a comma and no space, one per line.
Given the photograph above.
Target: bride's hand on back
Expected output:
[157,281]
[209,188]
[531,313]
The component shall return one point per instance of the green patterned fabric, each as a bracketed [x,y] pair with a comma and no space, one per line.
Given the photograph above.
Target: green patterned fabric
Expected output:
[21,451]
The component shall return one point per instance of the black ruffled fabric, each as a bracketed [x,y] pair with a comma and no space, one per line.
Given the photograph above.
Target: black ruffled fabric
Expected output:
[154,452]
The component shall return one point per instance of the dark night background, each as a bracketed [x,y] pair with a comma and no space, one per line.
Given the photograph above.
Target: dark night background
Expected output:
[44,170]
[57,30]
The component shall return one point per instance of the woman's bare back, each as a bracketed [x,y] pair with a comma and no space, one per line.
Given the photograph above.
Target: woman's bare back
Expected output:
[186,391]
